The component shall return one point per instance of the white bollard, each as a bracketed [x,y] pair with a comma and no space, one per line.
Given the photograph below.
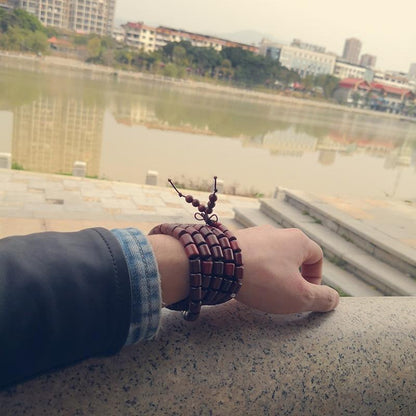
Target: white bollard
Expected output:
[5,160]
[220,186]
[151,177]
[79,169]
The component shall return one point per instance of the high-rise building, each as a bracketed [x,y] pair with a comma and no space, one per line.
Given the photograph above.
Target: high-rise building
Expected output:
[369,61]
[352,49]
[412,70]
[82,16]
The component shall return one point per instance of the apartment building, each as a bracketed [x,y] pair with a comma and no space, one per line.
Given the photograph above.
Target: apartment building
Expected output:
[368,60]
[304,58]
[140,36]
[82,16]
[150,38]
[393,79]
[344,69]
[352,49]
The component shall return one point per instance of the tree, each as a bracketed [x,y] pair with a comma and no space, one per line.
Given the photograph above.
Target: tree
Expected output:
[94,49]
[179,55]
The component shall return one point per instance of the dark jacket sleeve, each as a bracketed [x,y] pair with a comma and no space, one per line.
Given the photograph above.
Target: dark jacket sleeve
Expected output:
[63,297]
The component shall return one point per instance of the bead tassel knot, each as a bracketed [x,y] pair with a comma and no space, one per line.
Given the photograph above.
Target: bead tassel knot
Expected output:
[204,213]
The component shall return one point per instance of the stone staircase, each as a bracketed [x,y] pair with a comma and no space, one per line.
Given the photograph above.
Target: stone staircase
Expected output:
[359,260]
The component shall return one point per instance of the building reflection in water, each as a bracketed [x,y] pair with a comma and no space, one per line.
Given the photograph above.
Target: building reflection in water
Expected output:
[51,133]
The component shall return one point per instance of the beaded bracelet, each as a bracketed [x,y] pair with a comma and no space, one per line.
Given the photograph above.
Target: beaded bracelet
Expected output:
[215,259]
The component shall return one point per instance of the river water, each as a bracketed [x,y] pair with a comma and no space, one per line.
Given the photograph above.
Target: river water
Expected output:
[123,129]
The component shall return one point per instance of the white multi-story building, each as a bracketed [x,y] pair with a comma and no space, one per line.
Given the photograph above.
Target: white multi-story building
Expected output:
[82,16]
[303,58]
[150,38]
[140,36]
[344,69]
[393,79]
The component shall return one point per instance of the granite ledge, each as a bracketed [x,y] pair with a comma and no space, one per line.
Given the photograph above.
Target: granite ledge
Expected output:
[359,359]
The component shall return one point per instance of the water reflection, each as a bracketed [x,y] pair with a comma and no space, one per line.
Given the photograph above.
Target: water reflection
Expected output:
[51,133]
[58,120]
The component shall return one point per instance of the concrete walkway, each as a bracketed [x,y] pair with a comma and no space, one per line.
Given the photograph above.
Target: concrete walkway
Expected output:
[33,202]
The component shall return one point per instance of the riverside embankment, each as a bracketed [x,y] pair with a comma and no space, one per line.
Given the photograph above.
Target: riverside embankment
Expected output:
[69,65]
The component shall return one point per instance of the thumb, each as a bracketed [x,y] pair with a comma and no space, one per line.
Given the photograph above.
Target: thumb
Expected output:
[320,298]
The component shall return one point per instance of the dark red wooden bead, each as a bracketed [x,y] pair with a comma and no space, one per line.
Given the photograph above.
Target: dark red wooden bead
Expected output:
[239,271]
[189,199]
[191,251]
[218,268]
[230,235]
[211,205]
[199,239]
[195,202]
[222,227]
[234,245]
[216,252]
[206,281]
[191,229]
[186,239]
[225,243]
[213,197]
[228,254]
[195,307]
[207,267]
[209,210]
[202,208]
[204,251]
[229,269]
[195,279]
[204,230]
[212,240]
[238,259]
[215,283]
[166,228]
[217,232]
[195,266]
[178,231]
[195,294]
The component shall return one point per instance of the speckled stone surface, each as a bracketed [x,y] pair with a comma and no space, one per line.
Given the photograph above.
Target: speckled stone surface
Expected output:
[359,359]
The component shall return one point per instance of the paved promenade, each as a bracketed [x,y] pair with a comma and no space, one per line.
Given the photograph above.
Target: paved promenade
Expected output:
[33,202]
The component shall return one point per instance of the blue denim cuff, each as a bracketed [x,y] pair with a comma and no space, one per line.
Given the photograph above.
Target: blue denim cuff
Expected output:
[146,301]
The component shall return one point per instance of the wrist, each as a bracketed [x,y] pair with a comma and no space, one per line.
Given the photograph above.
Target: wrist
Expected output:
[173,267]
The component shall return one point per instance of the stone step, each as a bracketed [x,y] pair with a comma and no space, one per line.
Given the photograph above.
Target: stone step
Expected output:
[374,242]
[251,217]
[333,275]
[340,279]
[347,255]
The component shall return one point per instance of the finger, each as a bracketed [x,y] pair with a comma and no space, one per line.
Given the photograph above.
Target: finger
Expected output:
[311,268]
[320,298]
[312,253]
[312,272]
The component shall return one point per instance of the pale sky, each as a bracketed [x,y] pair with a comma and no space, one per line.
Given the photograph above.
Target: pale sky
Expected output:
[386,29]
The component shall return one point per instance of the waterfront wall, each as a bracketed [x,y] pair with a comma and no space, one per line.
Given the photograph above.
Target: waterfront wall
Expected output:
[359,359]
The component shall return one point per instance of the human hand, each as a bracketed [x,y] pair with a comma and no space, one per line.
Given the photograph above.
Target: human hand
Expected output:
[283,272]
